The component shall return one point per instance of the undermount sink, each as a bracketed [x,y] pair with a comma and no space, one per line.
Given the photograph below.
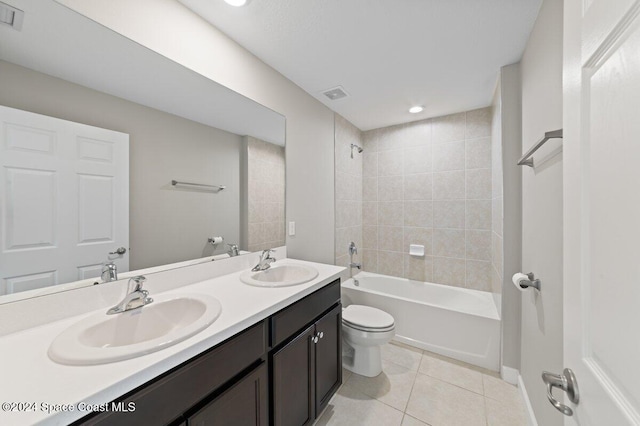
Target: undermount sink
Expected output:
[102,338]
[283,275]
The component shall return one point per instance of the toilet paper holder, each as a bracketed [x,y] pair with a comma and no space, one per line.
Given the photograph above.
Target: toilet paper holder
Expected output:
[532,282]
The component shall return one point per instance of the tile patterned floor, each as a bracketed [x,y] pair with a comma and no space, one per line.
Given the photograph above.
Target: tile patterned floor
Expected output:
[418,388]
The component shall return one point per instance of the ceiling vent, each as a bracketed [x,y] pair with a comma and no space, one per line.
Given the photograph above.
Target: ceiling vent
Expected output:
[11,16]
[335,93]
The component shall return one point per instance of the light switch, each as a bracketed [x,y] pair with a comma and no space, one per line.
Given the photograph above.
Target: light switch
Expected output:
[292,229]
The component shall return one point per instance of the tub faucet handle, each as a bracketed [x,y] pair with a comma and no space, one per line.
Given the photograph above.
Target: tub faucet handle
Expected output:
[352,248]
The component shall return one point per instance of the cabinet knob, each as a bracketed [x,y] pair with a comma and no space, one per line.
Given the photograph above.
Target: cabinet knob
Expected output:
[314,339]
[321,334]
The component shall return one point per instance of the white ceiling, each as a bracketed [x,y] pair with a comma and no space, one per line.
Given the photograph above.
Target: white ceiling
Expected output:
[62,43]
[388,55]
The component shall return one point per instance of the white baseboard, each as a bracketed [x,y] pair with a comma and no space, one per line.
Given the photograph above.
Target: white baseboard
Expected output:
[531,417]
[509,375]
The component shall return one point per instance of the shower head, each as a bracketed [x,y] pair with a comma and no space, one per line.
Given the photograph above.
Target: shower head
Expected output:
[359,148]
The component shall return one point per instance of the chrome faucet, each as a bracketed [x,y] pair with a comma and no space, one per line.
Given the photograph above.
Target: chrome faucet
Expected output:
[136,297]
[233,250]
[265,261]
[109,272]
[353,250]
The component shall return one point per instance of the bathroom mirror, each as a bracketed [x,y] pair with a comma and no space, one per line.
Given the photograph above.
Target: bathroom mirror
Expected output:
[180,127]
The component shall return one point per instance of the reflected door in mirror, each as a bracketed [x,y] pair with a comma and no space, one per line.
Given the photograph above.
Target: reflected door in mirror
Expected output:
[65,200]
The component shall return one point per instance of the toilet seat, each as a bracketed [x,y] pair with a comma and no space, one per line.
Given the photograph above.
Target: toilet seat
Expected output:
[366,318]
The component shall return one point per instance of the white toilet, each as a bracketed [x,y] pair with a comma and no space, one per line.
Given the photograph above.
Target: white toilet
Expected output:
[364,330]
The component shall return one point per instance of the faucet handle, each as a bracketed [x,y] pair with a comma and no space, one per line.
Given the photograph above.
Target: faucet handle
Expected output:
[352,248]
[139,280]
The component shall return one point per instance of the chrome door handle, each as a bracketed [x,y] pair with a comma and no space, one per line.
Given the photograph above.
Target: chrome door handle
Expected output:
[568,383]
[120,251]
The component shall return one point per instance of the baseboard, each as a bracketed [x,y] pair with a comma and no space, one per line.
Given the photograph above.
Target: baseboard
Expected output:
[509,375]
[531,417]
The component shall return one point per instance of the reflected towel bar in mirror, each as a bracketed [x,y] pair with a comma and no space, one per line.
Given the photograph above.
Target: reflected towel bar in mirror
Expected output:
[199,185]
[526,160]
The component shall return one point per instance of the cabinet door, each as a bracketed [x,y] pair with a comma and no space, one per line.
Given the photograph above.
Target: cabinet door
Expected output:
[328,357]
[244,404]
[293,381]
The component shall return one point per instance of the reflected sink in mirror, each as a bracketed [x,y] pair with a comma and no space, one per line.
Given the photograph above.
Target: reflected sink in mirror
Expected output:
[283,275]
[103,338]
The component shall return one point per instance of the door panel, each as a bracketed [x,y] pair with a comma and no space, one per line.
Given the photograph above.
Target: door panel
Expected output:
[602,208]
[64,200]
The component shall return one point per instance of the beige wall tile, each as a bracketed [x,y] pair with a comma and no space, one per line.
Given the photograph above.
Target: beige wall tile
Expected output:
[449,214]
[478,275]
[390,213]
[478,245]
[496,215]
[417,133]
[417,186]
[369,213]
[478,214]
[390,263]
[496,251]
[369,163]
[370,237]
[417,160]
[390,188]
[449,128]
[370,260]
[390,163]
[478,123]
[449,185]
[496,281]
[449,271]
[448,156]
[370,189]
[418,268]
[449,243]
[418,213]
[478,182]
[390,238]
[478,153]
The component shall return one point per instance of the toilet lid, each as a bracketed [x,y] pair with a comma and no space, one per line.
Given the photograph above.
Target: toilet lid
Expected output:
[366,317]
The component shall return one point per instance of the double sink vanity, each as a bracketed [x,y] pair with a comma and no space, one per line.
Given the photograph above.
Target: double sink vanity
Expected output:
[241,347]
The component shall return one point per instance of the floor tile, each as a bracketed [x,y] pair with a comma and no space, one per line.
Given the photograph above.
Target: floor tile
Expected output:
[403,355]
[464,364]
[502,414]
[350,407]
[410,421]
[451,373]
[345,375]
[439,403]
[392,386]
[501,391]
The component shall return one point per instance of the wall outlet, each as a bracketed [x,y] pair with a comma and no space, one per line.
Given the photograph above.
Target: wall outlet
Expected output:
[292,229]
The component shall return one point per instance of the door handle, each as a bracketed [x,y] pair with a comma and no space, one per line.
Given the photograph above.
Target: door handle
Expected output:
[120,251]
[568,383]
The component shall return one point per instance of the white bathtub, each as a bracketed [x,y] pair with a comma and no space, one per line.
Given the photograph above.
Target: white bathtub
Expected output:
[456,322]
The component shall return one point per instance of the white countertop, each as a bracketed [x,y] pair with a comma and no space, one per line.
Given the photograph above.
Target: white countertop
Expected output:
[27,375]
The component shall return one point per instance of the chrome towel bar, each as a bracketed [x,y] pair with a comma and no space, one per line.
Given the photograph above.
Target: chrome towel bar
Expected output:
[200,185]
[526,160]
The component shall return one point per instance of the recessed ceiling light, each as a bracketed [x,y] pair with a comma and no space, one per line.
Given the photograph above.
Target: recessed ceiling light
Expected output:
[416,109]
[237,3]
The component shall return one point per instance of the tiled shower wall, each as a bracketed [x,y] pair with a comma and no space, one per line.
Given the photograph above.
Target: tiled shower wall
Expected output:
[428,183]
[265,194]
[496,195]
[348,190]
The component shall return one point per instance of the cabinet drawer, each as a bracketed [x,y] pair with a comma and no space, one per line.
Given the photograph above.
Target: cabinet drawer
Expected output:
[166,399]
[292,318]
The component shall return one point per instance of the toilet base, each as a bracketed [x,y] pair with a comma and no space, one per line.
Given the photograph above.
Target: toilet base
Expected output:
[364,360]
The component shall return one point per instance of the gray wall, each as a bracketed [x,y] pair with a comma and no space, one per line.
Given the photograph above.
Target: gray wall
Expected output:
[542,326]
[166,225]
[309,137]
[511,130]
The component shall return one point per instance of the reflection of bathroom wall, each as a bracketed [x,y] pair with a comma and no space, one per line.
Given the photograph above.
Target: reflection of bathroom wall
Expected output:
[429,183]
[348,178]
[166,225]
[265,193]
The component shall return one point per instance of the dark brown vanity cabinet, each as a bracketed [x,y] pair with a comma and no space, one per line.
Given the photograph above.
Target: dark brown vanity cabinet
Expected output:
[307,369]
[282,370]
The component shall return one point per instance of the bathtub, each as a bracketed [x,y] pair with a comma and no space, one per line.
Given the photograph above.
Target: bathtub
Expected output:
[456,322]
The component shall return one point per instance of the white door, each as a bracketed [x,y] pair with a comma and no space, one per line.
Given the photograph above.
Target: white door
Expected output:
[602,209]
[64,192]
